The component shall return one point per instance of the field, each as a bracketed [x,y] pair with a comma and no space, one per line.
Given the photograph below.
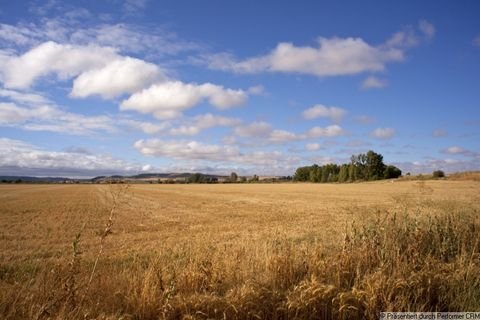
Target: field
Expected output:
[238,251]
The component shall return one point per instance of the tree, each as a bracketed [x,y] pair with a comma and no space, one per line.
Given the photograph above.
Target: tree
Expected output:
[302,174]
[360,163]
[343,173]
[438,174]
[196,178]
[363,166]
[233,177]
[315,173]
[254,178]
[391,172]
[374,166]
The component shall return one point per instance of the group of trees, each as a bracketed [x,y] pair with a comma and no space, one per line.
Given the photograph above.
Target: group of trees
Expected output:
[364,166]
[233,178]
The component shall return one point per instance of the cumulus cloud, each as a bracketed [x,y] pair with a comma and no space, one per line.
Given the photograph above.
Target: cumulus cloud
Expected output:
[65,61]
[202,122]
[383,133]
[329,131]
[20,158]
[198,151]
[447,165]
[455,150]
[169,99]
[51,118]
[146,126]
[372,82]
[124,75]
[24,97]
[265,132]
[331,57]
[320,111]
[185,150]
[280,136]
[254,130]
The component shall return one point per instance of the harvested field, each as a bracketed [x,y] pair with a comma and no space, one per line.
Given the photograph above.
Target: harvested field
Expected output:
[278,251]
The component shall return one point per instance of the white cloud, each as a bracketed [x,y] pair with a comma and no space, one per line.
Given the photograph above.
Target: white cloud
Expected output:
[65,61]
[427,28]
[24,97]
[20,158]
[186,150]
[312,146]
[320,111]
[133,7]
[256,90]
[51,118]
[145,126]
[447,165]
[279,136]
[197,151]
[372,82]
[329,131]
[456,150]
[331,57]
[254,130]
[10,113]
[18,35]
[202,122]
[383,133]
[263,132]
[131,38]
[170,99]
[125,75]
[80,27]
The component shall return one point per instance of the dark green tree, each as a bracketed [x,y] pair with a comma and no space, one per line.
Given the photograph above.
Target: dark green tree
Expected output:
[391,172]
[302,174]
[438,174]
[196,178]
[374,166]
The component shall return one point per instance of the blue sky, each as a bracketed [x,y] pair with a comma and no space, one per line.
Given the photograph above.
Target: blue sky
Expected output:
[133,86]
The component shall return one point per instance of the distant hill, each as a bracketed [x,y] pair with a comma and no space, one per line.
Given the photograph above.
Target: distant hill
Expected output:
[35,179]
[138,177]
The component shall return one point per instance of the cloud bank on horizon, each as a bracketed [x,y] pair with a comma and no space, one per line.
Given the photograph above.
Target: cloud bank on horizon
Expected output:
[140,87]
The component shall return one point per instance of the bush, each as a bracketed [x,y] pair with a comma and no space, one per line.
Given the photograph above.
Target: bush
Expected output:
[438,174]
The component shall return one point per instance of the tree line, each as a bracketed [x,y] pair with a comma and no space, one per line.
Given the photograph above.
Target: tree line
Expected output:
[362,167]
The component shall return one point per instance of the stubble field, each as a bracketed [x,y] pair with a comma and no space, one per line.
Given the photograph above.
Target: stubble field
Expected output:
[238,251]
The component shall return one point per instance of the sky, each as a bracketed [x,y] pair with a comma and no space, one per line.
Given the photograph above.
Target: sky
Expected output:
[102,87]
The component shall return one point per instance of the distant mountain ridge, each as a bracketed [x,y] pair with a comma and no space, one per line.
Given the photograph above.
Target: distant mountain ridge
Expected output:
[140,177]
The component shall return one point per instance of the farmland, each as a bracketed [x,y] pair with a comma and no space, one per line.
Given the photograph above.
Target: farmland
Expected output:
[293,250]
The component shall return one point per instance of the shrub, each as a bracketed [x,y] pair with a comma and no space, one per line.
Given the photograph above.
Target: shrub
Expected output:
[438,174]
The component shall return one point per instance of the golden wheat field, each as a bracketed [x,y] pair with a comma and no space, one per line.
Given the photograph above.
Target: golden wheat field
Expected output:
[238,251]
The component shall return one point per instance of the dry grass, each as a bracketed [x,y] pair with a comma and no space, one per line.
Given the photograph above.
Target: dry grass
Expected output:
[285,251]
[465,176]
